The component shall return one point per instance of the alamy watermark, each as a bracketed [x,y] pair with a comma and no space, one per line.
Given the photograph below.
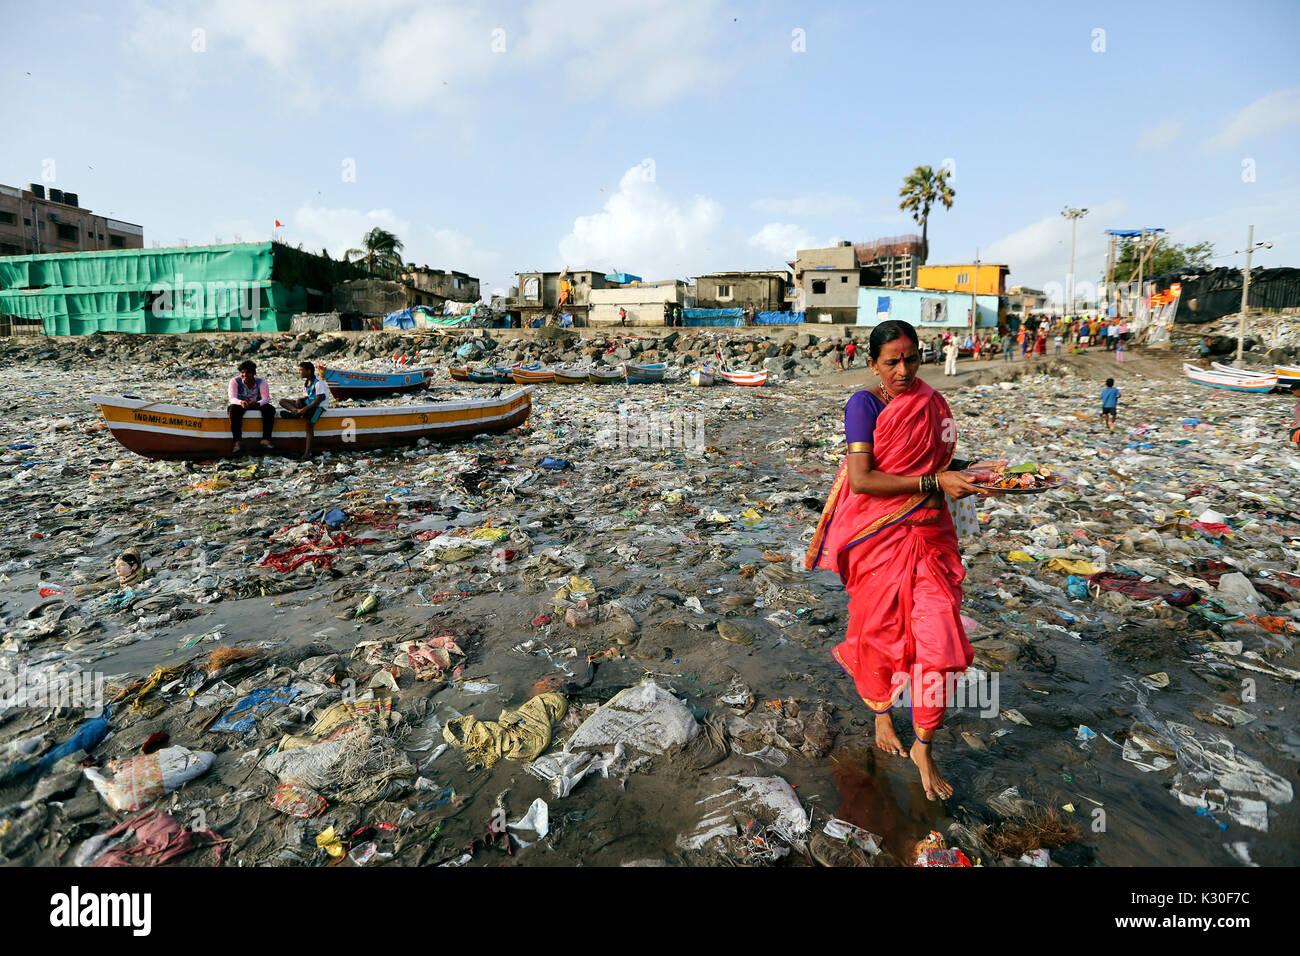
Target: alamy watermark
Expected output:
[213,297]
[654,429]
[39,689]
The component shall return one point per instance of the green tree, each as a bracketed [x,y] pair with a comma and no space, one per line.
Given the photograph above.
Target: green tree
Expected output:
[1166,257]
[921,190]
[380,251]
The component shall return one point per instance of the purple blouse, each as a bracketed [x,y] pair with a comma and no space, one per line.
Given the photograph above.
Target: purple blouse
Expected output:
[860,416]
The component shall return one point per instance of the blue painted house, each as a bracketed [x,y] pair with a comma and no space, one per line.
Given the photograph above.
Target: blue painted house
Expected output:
[924,308]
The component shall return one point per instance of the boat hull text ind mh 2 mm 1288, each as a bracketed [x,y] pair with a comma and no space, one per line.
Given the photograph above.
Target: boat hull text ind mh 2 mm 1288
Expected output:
[157,430]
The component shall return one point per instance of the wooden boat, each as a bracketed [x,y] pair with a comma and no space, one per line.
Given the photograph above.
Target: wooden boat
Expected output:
[157,430]
[572,376]
[644,374]
[1238,372]
[482,376]
[701,375]
[1233,382]
[531,376]
[605,376]
[742,378]
[460,374]
[1288,375]
[345,384]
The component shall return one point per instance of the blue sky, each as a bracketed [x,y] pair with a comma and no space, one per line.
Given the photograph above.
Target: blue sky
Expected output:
[663,138]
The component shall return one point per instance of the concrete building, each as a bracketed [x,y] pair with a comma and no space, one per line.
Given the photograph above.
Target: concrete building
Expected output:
[926,308]
[1023,302]
[826,283]
[542,293]
[38,221]
[377,297]
[891,262]
[645,303]
[456,286]
[985,278]
[756,291]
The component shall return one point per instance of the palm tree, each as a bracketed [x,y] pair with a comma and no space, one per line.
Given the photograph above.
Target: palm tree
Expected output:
[379,249]
[921,190]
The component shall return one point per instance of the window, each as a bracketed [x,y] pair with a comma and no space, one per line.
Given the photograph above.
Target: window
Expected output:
[67,232]
[115,242]
[844,278]
[963,278]
[819,286]
[26,221]
[8,218]
[724,292]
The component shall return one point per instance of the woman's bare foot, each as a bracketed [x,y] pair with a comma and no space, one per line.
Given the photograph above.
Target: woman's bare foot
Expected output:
[887,737]
[936,788]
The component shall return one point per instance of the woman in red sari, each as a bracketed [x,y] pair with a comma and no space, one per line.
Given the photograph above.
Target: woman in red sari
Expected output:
[886,530]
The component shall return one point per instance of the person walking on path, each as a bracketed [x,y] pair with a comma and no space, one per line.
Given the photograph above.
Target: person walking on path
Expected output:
[950,357]
[888,534]
[248,393]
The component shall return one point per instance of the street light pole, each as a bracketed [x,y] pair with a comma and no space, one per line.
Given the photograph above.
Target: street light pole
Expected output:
[1074,215]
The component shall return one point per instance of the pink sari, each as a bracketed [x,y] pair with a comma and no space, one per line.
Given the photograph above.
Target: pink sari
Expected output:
[899,562]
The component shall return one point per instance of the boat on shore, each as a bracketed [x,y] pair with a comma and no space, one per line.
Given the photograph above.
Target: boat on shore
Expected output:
[644,374]
[1288,376]
[532,376]
[346,384]
[459,373]
[572,376]
[605,376]
[162,431]
[1236,380]
[753,379]
[702,375]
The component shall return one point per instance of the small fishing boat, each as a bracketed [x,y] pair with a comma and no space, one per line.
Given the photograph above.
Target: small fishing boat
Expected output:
[1288,375]
[344,384]
[483,376]
[158,430]
[742,378]
[572,376]
[605,376]
[701,375]
[644,374]
[1232,381]
[532,376]
[459,374]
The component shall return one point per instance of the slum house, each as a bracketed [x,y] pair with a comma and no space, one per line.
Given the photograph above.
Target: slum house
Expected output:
[453,286]
[927,309]
[35,222]
[244,287]
[1214,293]
[827,281]
[646,303]
[982,278]
[752,291]
[541,294]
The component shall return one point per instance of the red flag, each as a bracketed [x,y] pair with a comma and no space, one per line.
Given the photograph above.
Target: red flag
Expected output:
[278,224]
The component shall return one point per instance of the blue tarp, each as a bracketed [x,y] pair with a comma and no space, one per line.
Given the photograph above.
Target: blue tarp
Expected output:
[713,316]
[778,318]
[403,319]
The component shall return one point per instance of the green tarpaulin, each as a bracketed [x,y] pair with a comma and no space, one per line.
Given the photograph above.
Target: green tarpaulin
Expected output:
[254,287]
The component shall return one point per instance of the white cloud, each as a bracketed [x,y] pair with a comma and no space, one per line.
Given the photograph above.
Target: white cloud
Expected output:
[1265,115]
[644,230]
[341,229]
[1039,253]
[1161,135]
[812,204]
[780,240]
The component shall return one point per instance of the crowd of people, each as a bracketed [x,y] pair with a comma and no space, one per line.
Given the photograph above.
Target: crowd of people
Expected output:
[1075,333]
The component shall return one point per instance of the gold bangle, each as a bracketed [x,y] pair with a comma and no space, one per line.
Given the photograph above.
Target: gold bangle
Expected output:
[859,446]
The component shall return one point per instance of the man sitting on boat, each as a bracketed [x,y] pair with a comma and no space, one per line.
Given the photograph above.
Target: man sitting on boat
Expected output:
[315,399]
[248,393]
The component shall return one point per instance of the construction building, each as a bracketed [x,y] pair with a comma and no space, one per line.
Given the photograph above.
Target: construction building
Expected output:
[37,221]
[891,262]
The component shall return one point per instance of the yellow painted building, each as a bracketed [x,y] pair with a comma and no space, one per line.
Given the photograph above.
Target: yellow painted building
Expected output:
[991,278]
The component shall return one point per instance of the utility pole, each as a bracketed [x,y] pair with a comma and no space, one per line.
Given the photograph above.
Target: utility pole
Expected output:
[1074,215]
[974,290]
[1245,293]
